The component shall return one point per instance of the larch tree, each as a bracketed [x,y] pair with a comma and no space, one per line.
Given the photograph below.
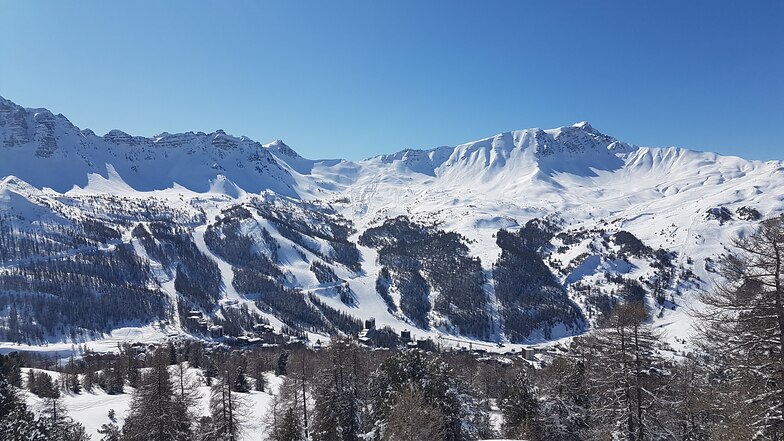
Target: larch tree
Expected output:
[622,366]
[157,413]
[412,417]
[742,323]
[336,414]
[228,409]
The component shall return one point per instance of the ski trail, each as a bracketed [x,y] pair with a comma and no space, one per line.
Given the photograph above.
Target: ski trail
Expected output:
[164,278]
[227,279]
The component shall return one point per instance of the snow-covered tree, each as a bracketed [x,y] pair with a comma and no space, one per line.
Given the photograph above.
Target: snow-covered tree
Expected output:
[563,397]
[520,409]
[17,422]
[289,428]
[110,431]
[336,415]
[60,426]
[436,381]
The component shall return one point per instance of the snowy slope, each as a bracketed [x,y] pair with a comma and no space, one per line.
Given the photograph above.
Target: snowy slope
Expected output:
[35,143]
[589,180]
[91,408]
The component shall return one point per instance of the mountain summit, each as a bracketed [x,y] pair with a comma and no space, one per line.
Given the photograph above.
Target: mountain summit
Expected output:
[523,237]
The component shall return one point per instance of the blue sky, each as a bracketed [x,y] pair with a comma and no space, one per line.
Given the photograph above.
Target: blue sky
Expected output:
[358,78]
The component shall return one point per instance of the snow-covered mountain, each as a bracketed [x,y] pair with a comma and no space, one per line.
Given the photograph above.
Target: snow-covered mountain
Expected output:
[36,143]
[553,227]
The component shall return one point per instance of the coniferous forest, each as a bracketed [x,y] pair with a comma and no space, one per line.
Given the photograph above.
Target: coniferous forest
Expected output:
[448,250]
[619,381]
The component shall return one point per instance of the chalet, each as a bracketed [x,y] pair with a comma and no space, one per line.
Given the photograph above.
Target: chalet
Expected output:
[261,328]
[426,344]
[216,331]
[267,333]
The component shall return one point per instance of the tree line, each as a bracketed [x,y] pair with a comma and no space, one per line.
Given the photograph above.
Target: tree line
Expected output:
[621,381]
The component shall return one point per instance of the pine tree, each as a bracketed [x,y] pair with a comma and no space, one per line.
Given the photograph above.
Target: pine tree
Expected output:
[41,384]
[31,381]
[59,426]
[89,379]
[241,382]
[261,381]
[17,423]
[283,360]
[520,409]
[172,354]
[110,431]
[288,396]
[289,428]
[114,381]
[435,379]
[336,413]
[563,399]
[72,377]
[15,373]
[413,417]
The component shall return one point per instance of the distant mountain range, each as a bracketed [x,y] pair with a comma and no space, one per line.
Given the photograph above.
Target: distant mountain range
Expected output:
[523,237]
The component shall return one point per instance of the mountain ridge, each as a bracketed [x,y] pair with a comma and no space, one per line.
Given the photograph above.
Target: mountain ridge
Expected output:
[375,238]
[577,149]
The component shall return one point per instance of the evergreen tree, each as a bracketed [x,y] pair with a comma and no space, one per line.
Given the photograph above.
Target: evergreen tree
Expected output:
[283,359]
[113,381]
[17,423]
[72,377]
[41,384]
[156,413]
[337,408]
[261,381]
[520,409]
[463,419]
[31,381]
[241,382]
[412,417]
[289,428]
[110,431]
[172,354]
[563,399]
[14,373]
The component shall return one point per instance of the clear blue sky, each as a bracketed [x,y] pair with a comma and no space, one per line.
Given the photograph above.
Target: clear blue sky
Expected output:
[357,78]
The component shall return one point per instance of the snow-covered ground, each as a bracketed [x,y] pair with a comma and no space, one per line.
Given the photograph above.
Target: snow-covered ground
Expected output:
[588,179]
[92,408]
[109,343]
